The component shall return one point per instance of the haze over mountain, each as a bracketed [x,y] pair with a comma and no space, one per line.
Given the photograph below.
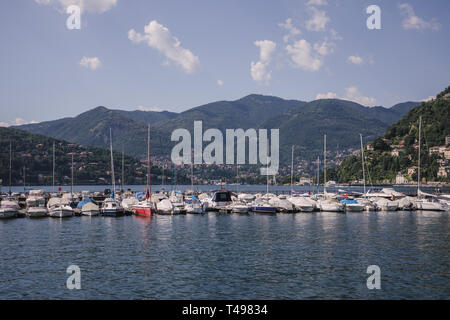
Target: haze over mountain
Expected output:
[300,123]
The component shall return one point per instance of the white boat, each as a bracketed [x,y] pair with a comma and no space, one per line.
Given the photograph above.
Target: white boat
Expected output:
[90,209]
[329,205]
[282,205]
[430,204]
[368,205]
[238,207]
[9,209]
[353,205]
[406,203]
[59,208]
[165,206]
[193,206]
[112,208]
[386,204]
[220,200]
[303,204]
[36,204]
[128,203]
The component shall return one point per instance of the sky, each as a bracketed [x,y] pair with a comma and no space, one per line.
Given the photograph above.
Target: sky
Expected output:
[175,55]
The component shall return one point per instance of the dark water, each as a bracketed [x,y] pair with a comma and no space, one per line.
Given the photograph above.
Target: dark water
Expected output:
[217,256]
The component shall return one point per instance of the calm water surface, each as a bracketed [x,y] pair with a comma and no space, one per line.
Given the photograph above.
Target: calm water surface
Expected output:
[217,256]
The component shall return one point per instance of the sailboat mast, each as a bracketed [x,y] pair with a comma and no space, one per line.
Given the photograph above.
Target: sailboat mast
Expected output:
[24,176]
[418,169]
[292,167]
[324,164]
[53,171]
[149,185]
[112,163]
[192,174]
[123,167]
[10,166]
[71,187]
[267,173]
[362,159]
[318,173]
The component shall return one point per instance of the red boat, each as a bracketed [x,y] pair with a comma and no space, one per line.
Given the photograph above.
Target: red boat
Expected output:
[144,209]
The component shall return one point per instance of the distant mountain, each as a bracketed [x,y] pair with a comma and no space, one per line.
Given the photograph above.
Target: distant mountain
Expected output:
[149,117]
[301,123]
[397,150]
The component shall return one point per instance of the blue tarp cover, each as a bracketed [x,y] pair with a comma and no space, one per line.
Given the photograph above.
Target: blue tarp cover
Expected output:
[346,201]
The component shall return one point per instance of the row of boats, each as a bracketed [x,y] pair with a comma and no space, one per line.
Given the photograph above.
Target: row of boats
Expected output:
[38,204]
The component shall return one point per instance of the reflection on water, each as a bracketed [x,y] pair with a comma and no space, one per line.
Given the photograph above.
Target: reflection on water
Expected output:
[217,256]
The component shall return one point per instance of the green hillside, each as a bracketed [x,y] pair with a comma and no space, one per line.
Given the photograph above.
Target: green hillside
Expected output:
[402,137]
[91,164]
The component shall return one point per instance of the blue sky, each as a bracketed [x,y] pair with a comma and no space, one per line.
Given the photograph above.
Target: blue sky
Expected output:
[195,52]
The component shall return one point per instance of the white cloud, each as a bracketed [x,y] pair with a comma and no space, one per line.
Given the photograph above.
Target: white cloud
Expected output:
[351,94]
[428,99]
[220,82]
[328,95]
[91,6]
[355,60]
[159,37]
[259,70]
[317,3]
[318,20]
[155,109]
[303,57]
[92,63]
[16,122]
[293,31]
[413,22]
[325,48]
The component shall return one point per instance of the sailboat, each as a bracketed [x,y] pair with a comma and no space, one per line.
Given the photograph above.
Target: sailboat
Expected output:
[10,207]
[430,202]
[262,204]
[112,207]
[145,207]
[326,204]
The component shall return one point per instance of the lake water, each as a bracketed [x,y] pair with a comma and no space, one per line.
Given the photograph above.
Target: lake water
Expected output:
[218,256]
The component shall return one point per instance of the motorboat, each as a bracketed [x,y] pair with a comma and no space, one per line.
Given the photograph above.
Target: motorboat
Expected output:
[262,205]
[353,205]
[9,209]
[193,205]
[330,205]
[90,209]
[303,204]
[112,208]
[238,207]
[386,204]
[59,208]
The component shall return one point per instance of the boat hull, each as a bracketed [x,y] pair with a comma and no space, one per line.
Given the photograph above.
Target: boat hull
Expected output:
[8,213]
[60,213]
[143,211]
[112,213]
[90,213]
[37,213]
[267,210]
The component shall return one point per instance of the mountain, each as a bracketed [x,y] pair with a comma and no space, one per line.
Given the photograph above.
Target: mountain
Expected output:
[301,123]
[149,117]
[91,165]
[397,150]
